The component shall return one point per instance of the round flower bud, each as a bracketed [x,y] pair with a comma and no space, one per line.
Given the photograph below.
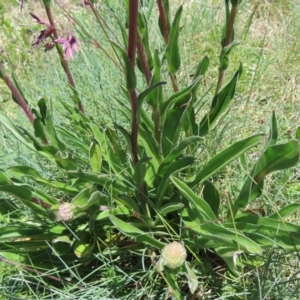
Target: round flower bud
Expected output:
[65,212]
[173,255]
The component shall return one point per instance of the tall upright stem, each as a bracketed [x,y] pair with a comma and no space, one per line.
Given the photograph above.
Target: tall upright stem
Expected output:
[229,32]
[131,51]
[163,18]
[143,59]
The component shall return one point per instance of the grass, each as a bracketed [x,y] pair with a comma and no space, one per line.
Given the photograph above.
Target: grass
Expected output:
[269,33]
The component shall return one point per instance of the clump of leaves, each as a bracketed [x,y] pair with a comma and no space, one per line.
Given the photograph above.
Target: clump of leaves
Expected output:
[140,188]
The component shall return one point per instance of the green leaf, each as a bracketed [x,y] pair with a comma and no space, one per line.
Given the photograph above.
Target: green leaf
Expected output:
[24,194]
[298,134]
[225,157]
[217,233]
[83,197]
[211,196]
[176,151]
[4,179]
[192,278]
[26,171]
[55,141]
[16,132]
[143,95]
[196,202]
[219,104]
[172,125]
[276,157]
[120,210]
[173,168]
[273,131]
[285,211]
[104,180]
[129,70]
[154,98]
[170,207]
[73,139]
[202,67]
[172,50]
[140,170]
[84,246]
[224,55]
[95,156]
[133,232]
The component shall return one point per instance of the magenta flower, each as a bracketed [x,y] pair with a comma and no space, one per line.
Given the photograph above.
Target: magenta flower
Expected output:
[69,45]
[86,3]
[43,33]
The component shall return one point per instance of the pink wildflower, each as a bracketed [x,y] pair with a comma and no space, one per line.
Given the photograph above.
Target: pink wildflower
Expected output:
[69,45]
[43,33]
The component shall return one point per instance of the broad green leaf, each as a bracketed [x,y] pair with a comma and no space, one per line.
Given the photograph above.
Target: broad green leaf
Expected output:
[231,257]
[170,207]
[95,156]
[224,55]
[273,131]
[19,232]
[73,139]
[65,161]
[16,131]
[172,125]
[140,170]
[179,97]
[172,51]
[225,157]
[105,180]
[4,179]
[120,210]
[212,230]
[276,157]
[84,246]
[173,168]
[143,95]
[298,133]
[176,151]
[211,196]
[84,196]
[39,127]
[129,70]
[219,103]
[51,132]
[192,278]
[264,221]
[133,232]
[200,205]
[270,236]
[285,211]
[25,195]
[155,98]
[26,171]
[201,67]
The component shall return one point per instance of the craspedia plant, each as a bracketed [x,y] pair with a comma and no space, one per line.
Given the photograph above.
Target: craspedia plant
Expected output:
[65,212]
[173,255]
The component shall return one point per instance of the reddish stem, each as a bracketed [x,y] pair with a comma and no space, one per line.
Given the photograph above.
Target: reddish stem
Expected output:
[163,17]
[227,42]
[19,98]
[132,45]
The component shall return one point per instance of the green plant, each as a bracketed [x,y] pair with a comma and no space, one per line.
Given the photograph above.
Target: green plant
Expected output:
[143,187]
